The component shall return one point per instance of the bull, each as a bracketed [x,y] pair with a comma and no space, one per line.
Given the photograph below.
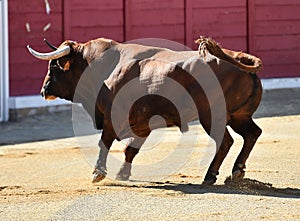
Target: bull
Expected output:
[175,85]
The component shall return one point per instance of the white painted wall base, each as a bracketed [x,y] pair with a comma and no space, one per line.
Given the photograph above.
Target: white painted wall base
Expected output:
[281,83]
[37,101]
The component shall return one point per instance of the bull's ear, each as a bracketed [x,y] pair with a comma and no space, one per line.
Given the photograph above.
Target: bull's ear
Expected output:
[64,64]
[67,66]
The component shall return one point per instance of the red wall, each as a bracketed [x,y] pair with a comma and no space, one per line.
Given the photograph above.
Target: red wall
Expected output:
[85,20]
[155,19]
[26,72]
[267,28]
[274,35]
[224,21]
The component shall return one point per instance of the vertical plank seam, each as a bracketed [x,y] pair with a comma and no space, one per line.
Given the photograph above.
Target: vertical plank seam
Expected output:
[124,21]
[66,19]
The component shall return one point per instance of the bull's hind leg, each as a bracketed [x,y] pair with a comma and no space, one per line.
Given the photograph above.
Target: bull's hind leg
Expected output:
[213,171]
[250,132]
[131,151]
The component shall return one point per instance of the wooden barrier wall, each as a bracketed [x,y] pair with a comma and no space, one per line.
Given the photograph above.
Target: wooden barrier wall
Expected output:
[269,29]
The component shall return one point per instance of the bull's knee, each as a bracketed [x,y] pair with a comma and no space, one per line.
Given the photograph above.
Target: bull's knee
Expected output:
[258,132]
[130,153]
[225,146]
[228,142]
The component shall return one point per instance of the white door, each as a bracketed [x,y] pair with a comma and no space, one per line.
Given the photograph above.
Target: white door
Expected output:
[3,61]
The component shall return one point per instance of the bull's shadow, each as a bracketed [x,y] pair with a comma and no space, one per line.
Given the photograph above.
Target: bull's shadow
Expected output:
[243,187]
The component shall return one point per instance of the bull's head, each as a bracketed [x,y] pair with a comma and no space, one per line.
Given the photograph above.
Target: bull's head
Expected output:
[66,64]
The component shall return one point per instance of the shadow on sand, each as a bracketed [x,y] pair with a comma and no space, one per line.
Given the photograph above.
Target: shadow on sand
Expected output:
[242,187]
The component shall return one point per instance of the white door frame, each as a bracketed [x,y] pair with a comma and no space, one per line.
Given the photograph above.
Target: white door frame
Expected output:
[4,72]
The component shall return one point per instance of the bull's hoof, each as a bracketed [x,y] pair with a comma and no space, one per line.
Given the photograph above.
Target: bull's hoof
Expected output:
[210,178]
[209,182]
[98,175]
[124,173]
[238,175]
[238,172]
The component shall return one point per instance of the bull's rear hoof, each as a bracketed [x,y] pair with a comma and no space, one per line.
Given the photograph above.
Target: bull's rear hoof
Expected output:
[237,175]
[209,182]
[210,178]
[98,175]
[238,172]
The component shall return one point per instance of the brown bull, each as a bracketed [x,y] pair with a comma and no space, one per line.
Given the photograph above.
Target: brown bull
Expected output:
[122,86]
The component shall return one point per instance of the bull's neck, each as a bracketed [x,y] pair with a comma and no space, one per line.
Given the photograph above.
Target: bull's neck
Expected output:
[94,49]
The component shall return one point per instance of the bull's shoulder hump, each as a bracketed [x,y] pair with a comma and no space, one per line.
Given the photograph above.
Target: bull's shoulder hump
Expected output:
[136,51]
[156,66]
[125,71]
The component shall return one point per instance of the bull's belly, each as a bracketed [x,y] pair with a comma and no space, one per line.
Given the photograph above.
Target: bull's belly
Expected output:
[141,124]
[152,112]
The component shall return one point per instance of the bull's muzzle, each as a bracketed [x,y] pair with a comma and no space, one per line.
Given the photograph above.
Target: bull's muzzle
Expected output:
[45,94]
[44,90]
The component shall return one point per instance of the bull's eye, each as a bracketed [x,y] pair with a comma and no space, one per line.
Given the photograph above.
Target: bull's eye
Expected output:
[58,64]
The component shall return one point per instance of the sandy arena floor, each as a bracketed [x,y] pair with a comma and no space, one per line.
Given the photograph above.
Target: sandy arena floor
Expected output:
[51,180]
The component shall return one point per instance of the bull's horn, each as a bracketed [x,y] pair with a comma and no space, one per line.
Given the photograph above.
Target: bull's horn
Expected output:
[50,45]
[60,52]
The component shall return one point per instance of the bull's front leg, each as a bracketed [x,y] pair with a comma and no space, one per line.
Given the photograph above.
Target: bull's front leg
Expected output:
[100,170]
[131,150]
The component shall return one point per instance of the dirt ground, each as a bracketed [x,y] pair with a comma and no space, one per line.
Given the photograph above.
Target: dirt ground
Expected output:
[51,179]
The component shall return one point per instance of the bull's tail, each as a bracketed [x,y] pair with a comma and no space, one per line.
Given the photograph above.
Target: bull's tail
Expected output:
[243,61]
